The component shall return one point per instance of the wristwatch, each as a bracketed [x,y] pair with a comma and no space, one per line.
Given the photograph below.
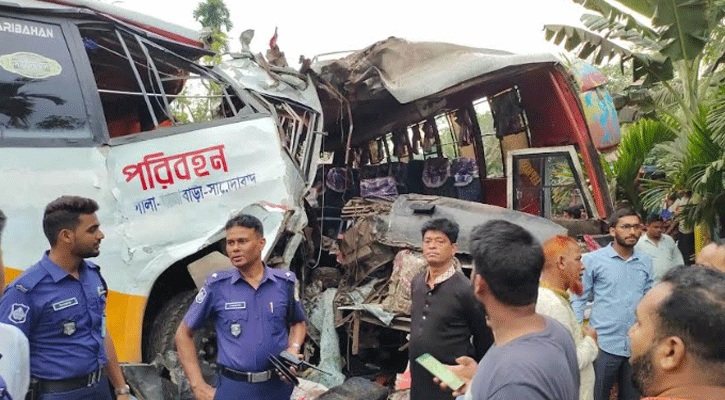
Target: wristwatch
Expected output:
[125,389]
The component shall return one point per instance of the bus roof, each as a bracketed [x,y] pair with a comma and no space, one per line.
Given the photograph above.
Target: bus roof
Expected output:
[167,30]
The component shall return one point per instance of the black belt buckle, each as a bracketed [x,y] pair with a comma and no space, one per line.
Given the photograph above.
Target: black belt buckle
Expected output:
[251,377]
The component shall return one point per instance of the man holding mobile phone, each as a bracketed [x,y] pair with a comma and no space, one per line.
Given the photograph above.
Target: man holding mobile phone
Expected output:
[534,357]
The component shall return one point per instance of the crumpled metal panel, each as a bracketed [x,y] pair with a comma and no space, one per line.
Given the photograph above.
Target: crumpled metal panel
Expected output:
[247,73]
[414,70]
[401,227]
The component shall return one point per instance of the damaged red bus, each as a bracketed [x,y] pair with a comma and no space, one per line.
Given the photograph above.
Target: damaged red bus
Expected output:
[517,131]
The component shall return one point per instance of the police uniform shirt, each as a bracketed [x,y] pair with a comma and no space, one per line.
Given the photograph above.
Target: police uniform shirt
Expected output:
[63,318]
[250,324]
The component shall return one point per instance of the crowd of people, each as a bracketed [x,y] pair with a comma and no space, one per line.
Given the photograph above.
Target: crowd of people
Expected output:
[533,321]
[630,315]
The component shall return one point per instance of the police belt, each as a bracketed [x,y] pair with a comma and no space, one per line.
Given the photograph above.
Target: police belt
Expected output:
[252,377]
[66,385]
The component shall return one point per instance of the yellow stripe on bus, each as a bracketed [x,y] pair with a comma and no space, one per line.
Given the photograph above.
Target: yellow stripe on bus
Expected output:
[124,320]
[10,274]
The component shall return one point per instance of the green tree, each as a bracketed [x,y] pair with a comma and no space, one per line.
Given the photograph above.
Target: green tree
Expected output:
[214,15]
[678,56]
[201,98]
[638,142]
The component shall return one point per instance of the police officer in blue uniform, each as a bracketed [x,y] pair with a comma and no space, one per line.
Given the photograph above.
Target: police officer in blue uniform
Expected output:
[60,303]
[252,307]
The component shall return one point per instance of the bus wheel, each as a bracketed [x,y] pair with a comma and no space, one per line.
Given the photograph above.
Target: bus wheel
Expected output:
[163,330]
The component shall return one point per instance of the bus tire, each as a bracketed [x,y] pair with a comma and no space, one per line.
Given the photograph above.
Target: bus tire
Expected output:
[163,329]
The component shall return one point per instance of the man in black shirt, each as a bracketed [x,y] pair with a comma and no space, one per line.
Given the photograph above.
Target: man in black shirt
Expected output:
[447,320]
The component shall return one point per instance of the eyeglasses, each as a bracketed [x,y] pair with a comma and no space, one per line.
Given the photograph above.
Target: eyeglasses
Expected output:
[627,227]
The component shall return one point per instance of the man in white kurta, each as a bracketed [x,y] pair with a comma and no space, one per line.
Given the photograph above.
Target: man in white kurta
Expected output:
[562,272]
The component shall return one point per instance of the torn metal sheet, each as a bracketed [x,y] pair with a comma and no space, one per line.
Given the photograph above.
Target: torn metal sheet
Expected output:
[414,70]
[284,83]
[358,296]
[401,228]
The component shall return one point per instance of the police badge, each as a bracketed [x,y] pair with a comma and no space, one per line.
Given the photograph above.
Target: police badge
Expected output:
[18,313]
[235,329]
[69,328]
[201,295]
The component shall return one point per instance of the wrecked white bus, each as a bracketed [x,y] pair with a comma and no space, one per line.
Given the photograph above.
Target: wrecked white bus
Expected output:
[109,104]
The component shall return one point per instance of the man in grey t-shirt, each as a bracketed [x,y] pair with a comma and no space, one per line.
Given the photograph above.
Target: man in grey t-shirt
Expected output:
[537,366]
[533,356]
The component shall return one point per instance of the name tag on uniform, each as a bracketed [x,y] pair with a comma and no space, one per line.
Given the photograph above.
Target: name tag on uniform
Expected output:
[65,304]
[239,305]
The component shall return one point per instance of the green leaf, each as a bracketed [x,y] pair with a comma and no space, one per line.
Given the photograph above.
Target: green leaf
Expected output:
[686,27]
[655,66]
[606,9]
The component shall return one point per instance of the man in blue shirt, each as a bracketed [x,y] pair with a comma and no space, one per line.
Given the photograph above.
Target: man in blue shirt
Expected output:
[250,307]
[60,303]
[618,276]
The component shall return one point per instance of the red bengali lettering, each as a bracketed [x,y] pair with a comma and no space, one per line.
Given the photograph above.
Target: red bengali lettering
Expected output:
[161,169]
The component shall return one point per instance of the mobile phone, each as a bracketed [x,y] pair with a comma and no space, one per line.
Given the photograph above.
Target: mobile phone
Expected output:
[440,371]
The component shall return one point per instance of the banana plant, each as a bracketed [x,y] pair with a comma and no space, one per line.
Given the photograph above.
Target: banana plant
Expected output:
[676,49]
[672,44]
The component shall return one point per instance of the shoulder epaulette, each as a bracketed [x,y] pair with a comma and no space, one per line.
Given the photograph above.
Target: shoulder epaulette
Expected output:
[284,274]
[29,279]
[218,276]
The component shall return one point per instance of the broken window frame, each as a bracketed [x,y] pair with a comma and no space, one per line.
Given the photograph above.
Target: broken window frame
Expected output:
[154,90]
[571,156]
[488,133]
[299,141]
[442,119]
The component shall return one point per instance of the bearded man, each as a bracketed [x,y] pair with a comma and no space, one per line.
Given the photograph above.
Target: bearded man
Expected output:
[677,347]
[562,273]
[617,277]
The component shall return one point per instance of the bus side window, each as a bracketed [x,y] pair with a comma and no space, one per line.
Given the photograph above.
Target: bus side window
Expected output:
[144,87]
[40,93]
